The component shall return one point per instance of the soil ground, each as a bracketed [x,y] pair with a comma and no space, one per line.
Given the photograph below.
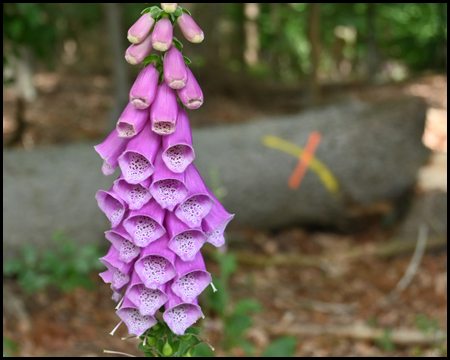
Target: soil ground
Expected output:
[306,301]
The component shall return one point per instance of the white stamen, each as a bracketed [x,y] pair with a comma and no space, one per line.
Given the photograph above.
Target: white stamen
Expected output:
[114,330]
[128,337]
[120,303]
[117,352]
[145,339]
[214,288]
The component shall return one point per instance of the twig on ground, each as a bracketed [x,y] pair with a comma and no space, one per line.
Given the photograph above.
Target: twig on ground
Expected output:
[413,265]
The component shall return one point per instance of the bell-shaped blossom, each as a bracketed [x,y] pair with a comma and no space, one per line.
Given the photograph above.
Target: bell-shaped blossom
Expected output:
[163,113]
[192,278]
[175,71]
[169,7]
[123,243]
[146,224]
[136,53]
[137,160]
[136,322]
[215,222]
[184,241]
[190,29]
[167,188]
[162,35]
[135,195]
[110,150]
[148,301]
[178,151]
[156,264]
[143,91]
[191,95]
[198,202]
[118,273]
[132,121]
[140,29]
[180,315]
[112,205]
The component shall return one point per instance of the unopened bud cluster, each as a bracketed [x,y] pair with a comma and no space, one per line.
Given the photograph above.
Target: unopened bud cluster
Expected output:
[160,210]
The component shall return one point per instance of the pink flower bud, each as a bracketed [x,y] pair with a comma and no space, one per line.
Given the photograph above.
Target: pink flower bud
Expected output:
[175,72]
[191,95]
[143,91]
[140,29]
[169,7]
[190,29]
[137,52]
[164,111]
[132,121]
[162,35]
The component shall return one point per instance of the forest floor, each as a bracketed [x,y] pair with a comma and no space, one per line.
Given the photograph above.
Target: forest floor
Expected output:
[338,304]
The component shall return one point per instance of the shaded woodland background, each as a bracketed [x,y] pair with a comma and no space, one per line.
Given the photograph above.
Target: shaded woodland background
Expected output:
[332,294]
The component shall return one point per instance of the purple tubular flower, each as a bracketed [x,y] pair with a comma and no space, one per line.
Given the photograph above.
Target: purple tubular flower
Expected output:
[191,95]
[118,273]
[198,203]
[192,278]
[180,315]
[175,73]
[136,322]
[178,151]
[137,160]
[132,121]
[135,195]
[156,264]
[168,188]
[163,113]
[146,224]
[136,53]
[190,29]
[215,222]
[184,241]
[123,243]
[148,301]
[110,150]
[140,29]
[143,91]
[162,35]
[169,7]
[112,205]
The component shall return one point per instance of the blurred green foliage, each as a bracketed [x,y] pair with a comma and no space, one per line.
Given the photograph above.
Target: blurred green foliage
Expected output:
[9,347]
[411,34]
[237,317]
[65,266]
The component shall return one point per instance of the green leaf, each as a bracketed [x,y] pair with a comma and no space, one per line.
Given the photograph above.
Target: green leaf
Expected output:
[177,44]
[186,11]
[12,267]
[237,324]
[29,255]
[203,350]
[247,305]
[146,10]
[282,347]
[178,11]
[193,330]
[247,346]
[187,61]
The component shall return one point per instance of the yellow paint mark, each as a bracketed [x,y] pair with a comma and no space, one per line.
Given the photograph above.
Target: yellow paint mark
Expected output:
[325,175]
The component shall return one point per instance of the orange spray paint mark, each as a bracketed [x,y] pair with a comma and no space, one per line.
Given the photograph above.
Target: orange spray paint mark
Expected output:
[300,170]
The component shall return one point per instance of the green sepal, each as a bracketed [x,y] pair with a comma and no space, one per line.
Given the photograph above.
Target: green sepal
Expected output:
[178,11]
[187,61]
[152,59]
[193,330]
[190,353]
[185,337]
[186,11]
[155,12]
[172,18]
[177,43]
